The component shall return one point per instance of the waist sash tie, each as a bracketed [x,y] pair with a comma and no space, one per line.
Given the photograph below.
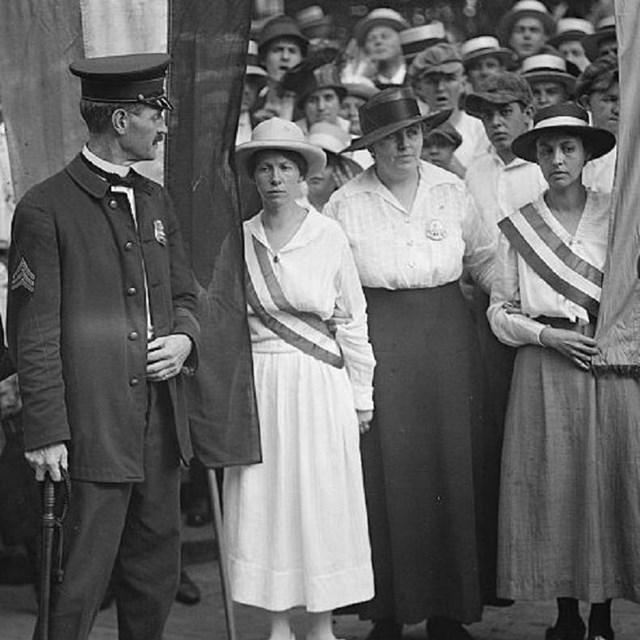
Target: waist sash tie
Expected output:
[301,329]
[551,259]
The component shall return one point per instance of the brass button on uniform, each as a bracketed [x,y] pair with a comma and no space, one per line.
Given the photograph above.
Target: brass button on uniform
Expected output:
[113,204]
[128,246]
[134,335]
[134,382]
[131,291]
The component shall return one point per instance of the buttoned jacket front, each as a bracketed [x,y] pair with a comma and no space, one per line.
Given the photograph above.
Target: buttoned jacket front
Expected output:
[78,336]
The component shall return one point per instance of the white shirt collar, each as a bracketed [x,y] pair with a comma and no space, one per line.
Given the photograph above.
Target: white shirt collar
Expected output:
[105,165]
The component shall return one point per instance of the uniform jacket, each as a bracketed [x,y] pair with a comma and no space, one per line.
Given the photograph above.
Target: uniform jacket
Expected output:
[77,324]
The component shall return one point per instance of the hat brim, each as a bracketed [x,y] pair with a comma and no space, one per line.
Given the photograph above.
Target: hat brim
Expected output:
[505,26]
[599,141]
[565,79]
[567,36]
[313,155]
[363,27]
[430,121]
[591,43]
[504,55]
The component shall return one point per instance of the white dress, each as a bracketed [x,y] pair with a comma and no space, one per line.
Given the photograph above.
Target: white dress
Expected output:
[296,525]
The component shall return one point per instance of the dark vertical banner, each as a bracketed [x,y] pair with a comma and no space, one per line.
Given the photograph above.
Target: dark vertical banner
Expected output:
[39,97]
[208,42]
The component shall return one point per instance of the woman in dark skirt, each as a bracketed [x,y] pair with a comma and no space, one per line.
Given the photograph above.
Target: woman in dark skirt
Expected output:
[554,534]
[412,229]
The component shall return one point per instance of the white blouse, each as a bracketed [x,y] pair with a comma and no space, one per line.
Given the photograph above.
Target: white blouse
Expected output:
[424,247]
[516,282]
[317,274]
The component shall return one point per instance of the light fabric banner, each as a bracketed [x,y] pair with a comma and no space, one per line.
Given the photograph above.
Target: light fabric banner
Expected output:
[618,333]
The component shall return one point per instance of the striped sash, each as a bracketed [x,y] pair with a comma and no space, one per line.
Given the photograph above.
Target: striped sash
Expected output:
[303,330]
[542,249]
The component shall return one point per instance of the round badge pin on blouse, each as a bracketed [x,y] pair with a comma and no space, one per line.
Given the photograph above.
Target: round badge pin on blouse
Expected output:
[436,230]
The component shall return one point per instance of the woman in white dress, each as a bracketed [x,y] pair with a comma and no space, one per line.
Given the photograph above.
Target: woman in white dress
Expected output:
[296,524]
[553,536]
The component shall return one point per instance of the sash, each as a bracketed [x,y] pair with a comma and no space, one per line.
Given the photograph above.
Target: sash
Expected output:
[551,259]
[301,329]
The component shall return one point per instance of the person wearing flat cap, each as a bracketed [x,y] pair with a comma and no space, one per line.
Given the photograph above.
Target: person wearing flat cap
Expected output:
[560,512]
[296,525]
[101,327]
[412,227]
[526,28]
[598,91]
[377,35]
[437,77]
[440,144]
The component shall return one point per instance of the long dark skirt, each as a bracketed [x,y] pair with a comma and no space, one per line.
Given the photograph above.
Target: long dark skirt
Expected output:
[418,458]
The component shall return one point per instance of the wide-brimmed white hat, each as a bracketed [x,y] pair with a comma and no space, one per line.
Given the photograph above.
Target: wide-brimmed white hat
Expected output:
[417,39]
[566,118]
[334,140]
[485,46]
[280,135]
[548,67]
[571,29]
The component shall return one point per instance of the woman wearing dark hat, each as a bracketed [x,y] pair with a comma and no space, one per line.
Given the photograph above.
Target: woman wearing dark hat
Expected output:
[296,524]
[412,227]
[545,301]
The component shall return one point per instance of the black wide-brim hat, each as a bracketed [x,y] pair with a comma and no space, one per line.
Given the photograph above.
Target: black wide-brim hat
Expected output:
[389,111]
[565,118]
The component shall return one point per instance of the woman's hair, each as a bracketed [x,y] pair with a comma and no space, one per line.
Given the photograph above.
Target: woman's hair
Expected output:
[294,156]
[97,115]
[600,75]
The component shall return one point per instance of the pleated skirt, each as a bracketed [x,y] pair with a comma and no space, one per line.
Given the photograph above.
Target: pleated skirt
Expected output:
[296,524]
[418,458]
[570,493]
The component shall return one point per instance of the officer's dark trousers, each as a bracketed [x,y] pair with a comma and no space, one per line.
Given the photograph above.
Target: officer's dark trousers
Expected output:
[132,529]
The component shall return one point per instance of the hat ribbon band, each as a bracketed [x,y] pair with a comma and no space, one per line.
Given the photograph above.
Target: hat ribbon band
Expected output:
[561,121]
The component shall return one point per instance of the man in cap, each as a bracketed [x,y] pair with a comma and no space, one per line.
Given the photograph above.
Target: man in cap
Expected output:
[440,144]
[255,79]
[568,40]
[483,57]
[281,46]
[604,41]
[377,35]
[598,91]
[101,325]
[437,78]
[550,79]
[526,28]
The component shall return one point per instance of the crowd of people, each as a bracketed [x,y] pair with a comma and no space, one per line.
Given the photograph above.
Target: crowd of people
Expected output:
[472,181]
[425,232]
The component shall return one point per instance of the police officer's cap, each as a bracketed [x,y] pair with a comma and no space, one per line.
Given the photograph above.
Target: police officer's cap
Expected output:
[136,77]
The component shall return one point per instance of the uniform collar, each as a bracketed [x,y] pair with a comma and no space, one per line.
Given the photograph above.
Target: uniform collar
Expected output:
[105,165]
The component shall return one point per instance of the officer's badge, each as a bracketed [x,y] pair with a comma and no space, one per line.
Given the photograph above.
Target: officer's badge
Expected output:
[159,232]
[436,230]
[23,277]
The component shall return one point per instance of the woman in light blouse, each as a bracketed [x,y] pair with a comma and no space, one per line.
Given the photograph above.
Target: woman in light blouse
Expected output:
[554,539]
[412,228]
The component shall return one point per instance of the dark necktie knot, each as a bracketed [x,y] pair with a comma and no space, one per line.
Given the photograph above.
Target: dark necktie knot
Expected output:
[115,180]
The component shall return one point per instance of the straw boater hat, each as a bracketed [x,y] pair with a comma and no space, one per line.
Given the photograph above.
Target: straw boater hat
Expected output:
[566,118]
[333,140]
[280,135]
[548,67]
[484,47]
[389,111]
[570,29]
[281,27]
[311,18]
[377,17]
[417,39]
[524,9]
[605,30]
[253,70]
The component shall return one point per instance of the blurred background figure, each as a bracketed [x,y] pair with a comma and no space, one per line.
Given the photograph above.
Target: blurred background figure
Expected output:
[357,93]
[483,57]
[255,79]
[377,35]
[417,39]
[281,46]
[339,168]
[314,24]
[598,91]
[526,28]
[440,144]
[437,78]
[603,41]
[549,78]
[568,40]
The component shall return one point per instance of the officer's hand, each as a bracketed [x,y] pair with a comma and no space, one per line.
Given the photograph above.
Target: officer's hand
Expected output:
[166,355]
[364,420]
[51,458]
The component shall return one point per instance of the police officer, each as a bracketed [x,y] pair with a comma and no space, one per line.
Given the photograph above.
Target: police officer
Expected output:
[101,325]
